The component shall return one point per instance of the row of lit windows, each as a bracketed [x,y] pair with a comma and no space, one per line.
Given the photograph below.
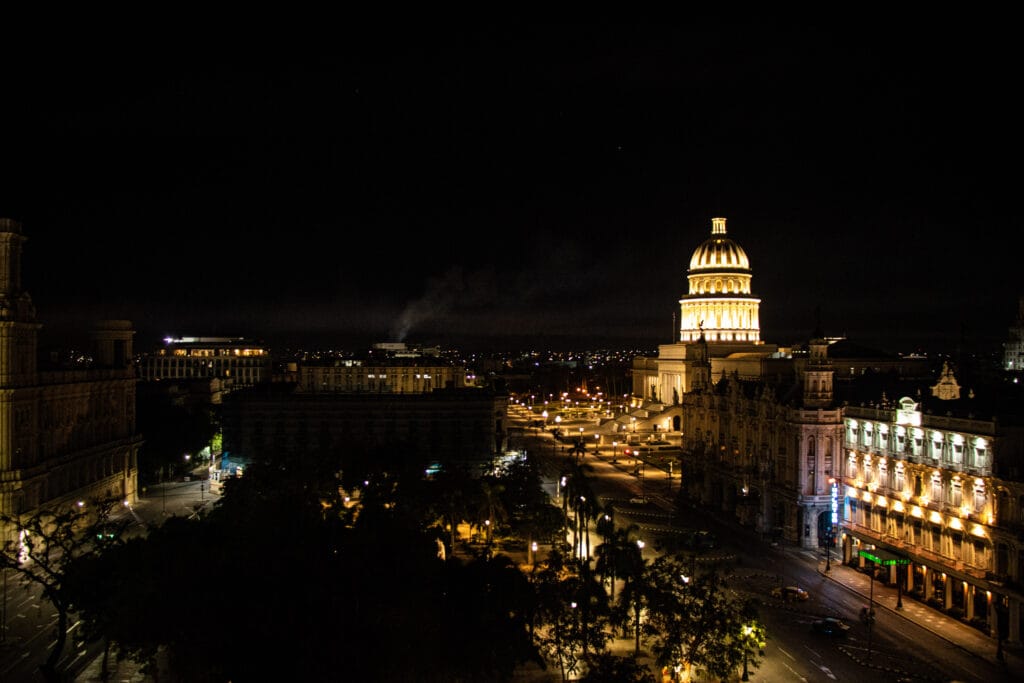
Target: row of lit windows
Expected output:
[948,446]
[927,536]
[874,473]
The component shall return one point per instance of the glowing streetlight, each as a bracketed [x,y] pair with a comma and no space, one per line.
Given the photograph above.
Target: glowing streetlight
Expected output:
[747,631]
[615,451]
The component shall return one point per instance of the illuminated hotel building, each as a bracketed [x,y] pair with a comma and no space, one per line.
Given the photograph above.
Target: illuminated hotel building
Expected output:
[942,490]
[67,433]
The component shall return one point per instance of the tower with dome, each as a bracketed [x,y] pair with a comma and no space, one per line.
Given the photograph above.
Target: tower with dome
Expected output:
[720,304]
[719,325]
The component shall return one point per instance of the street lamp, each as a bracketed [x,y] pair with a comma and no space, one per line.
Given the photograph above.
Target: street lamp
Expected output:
[747,631]
[615,451]
[643,480]
[597,443]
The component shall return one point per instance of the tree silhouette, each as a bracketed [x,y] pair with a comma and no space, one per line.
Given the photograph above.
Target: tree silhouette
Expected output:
[44,546]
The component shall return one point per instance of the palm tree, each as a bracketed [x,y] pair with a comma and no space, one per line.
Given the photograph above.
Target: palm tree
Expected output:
[580,499]
[613,555]
[490,509]
[633,568]
[452,485]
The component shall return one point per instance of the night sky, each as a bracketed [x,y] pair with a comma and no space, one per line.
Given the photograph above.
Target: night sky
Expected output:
[518,184]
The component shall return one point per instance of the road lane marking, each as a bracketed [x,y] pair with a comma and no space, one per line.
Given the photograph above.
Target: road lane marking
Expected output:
[828,673]
[794,672]
[785,653]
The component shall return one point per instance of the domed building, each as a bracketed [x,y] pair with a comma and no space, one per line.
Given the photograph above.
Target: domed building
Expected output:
[719,326]
[720,304]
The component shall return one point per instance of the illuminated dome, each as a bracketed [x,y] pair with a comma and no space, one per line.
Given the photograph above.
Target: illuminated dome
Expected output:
[720,306]
[718,251]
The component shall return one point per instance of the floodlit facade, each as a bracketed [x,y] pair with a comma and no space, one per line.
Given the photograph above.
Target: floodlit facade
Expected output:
[945,493]
[67,433]
[766,454]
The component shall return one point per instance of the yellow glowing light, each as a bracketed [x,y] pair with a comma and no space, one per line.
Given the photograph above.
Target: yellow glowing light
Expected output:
[881,502]
[978,530]
[935,518]
[905,495]
[965,511]
[897,506]
[866,497]
[991,518]
[954,523]
[916,512]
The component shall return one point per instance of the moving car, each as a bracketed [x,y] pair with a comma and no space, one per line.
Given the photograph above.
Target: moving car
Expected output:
[790,593]
[831,626]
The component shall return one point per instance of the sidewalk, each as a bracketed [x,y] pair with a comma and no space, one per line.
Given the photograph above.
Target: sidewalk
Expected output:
[952,630]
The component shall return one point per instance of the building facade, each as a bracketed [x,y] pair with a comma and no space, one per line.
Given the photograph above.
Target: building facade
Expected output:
[237,362]
[391,376]
[943,492]
[66,433]
[1013,347]
[447,425]
[765,454]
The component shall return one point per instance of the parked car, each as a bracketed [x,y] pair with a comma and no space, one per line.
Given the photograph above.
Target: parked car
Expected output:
[831,626]
[790,593]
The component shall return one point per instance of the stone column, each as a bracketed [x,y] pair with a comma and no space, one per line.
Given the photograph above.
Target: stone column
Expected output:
[947,597]
[969,596]
[909,571]
[927,582]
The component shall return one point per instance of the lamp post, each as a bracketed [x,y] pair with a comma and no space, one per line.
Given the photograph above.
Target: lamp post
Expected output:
[747,630]
[643,480]
[597,443]
[871,608]
[615,451]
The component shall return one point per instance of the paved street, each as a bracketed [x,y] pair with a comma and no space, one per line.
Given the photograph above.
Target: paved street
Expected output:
[30,620]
